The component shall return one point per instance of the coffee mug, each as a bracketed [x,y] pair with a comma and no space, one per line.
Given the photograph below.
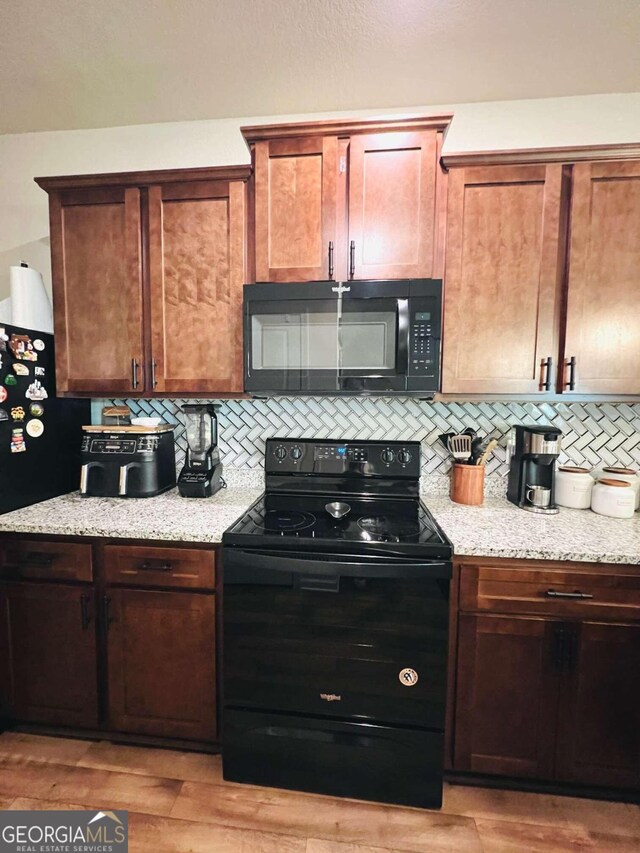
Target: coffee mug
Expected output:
[538,495]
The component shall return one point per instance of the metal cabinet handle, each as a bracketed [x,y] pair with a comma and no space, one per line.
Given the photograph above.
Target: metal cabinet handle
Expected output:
[330,260]
[580,596]
[158,567]
[106,612]
[134,373]
[85,614]
[154,381]
[571,364]
[546,366]
[352,259]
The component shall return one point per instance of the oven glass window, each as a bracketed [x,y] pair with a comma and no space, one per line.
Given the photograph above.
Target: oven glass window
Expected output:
[324,340]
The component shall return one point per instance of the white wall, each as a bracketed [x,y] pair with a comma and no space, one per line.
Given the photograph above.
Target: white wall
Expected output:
[24,224]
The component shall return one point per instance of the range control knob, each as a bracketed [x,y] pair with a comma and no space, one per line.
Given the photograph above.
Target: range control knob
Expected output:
[404,457]
[295,452]
[280,452]
[387,456]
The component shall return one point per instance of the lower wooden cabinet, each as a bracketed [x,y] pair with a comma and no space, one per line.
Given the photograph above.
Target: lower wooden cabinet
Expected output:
[48,636]
[555,699]
[161,663]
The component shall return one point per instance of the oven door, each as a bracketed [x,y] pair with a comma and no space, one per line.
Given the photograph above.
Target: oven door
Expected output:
[336,636]
[325,337]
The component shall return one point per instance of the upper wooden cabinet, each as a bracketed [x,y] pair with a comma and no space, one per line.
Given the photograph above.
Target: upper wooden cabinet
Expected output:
[504,266]
[295,208]
[602,349]
[392,190]
[148,271]
[340,200]
[96,256]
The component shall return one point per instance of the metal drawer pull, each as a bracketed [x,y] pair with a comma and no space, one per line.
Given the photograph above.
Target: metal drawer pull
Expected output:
[330,260]
[157,567]
[134,373]
[552,593]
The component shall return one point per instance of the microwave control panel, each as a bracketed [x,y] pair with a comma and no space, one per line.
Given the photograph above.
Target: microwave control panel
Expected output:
[424,340]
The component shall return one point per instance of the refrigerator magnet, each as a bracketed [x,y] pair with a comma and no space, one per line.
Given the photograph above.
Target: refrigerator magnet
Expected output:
[17,441]
[22,348]
[36,391]
[36,409]
[20,369]
[35,428]
[3,394]
[3,339]
[10,379]
[38,371]
[3,415]
[38,344]
[17,413]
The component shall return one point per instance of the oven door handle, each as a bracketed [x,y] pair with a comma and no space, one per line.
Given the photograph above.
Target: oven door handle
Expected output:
[310,563]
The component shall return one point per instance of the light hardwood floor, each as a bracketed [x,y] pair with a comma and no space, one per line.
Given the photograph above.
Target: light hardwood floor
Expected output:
[179,803]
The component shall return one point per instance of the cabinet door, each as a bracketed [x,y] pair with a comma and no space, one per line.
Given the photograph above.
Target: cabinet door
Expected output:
[504,264]
[97,290]
[392,178]
[196,260]
[295,208]
[603,311]
[507,696]
[50,675]
[161,663]
[599,733]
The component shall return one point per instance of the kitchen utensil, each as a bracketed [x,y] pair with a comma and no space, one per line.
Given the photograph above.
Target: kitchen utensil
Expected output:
[615,498]
[573,487]
[460,446]
[491,446]
[478,446]
[538,496]
[444,439]
[338,509]
[470,431]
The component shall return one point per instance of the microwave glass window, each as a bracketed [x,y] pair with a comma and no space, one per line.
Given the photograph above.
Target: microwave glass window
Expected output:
[358,340]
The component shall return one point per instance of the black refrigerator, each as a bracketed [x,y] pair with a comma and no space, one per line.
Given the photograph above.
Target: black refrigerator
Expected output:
[39,433]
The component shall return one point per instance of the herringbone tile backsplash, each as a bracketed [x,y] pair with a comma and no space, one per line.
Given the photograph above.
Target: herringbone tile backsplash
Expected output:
[593,433]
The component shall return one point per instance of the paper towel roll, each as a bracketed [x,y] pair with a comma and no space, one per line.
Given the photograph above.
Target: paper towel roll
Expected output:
[31,307]
[6,313]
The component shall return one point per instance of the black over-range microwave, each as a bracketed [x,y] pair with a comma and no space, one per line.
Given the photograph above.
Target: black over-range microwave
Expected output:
[328,337]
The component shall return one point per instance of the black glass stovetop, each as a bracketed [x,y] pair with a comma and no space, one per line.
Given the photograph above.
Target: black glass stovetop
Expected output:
[277,517]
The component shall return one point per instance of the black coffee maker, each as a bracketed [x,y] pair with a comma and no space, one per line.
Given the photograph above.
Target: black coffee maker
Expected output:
[531,475]
[201,476]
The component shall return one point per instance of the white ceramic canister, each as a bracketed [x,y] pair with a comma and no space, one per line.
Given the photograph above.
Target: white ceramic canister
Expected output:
[629,475]
[573,487]
[614,498]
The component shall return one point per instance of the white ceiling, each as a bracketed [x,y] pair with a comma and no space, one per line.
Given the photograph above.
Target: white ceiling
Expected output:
[98,63]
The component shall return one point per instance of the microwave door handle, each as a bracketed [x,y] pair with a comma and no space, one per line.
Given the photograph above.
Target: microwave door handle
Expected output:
[403,337]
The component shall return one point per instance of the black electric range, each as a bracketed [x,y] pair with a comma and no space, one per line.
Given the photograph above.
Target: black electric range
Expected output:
[335,629]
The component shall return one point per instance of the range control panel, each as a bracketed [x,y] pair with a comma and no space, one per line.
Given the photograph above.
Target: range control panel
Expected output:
[353,458]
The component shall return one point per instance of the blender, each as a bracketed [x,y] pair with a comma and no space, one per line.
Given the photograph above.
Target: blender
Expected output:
[201,475]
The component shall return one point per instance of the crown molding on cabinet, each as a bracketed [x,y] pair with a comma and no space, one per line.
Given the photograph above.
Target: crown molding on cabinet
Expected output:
[520,156]
[145,178]
[348,127]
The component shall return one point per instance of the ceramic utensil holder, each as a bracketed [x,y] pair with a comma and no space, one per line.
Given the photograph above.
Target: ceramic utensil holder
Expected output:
[467,484]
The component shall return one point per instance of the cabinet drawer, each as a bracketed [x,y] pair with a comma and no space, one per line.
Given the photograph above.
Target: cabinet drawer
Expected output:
[24,559]
[593,591]
[169,567]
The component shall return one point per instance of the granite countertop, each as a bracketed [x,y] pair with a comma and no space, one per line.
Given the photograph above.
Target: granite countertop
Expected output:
[500,529]
[496,529]
[164,517]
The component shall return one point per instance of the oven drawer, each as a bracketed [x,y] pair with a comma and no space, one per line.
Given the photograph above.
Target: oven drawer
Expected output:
[593,591]
[343,759]
[190,568]
[28,559]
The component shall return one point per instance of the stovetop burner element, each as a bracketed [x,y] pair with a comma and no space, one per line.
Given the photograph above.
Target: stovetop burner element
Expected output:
[281,520]
[389,528]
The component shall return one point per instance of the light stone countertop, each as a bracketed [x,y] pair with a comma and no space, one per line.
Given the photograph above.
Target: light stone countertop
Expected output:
[500,529]
[496,529]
